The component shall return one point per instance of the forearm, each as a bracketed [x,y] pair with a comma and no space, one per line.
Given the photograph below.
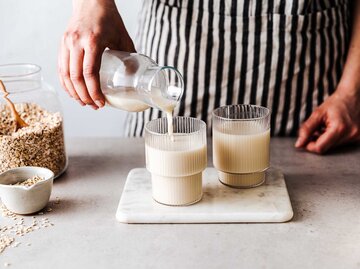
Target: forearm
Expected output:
[350,79]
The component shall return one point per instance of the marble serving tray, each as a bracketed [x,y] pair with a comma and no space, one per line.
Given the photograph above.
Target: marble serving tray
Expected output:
[220,204]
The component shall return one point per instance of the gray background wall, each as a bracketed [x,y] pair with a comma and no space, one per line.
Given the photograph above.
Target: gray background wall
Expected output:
[30,31]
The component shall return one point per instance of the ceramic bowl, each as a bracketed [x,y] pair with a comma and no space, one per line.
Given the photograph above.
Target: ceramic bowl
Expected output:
[22,199]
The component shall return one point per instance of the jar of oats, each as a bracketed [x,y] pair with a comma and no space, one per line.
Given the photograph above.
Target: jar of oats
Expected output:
[41,142]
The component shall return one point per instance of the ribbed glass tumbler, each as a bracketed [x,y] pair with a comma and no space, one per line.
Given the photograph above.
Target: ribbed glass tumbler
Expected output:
[241,144]
[176,162]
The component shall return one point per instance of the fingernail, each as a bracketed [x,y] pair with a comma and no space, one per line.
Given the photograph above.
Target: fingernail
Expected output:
[94,107]
[298,142]
[99,103]
[81,102]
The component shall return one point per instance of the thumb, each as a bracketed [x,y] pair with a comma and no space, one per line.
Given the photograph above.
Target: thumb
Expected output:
[123,41]
[309,127]
[125,44]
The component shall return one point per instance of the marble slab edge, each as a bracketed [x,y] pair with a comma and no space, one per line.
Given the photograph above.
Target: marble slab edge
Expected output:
[280,216]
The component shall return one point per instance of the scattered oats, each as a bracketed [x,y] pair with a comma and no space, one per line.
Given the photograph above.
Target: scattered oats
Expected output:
[5,241]
[39,144]
[19,227]
[49,209]
[6,264]
[57,200]
[7,213]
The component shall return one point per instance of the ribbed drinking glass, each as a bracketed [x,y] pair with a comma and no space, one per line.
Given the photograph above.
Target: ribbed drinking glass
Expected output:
[176,162]
[241,144]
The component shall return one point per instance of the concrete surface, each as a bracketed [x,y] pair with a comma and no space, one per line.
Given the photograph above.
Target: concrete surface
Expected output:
[324,233]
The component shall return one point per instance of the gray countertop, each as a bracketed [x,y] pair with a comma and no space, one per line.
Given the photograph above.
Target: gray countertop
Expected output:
[324,233]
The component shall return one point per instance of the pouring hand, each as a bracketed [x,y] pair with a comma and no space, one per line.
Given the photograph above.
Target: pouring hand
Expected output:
[94,26]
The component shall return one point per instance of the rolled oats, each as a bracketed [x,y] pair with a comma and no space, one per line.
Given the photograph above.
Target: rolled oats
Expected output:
[29,182]
[39,144]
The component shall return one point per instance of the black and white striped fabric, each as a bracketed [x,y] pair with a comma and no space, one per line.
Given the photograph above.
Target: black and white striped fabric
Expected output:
[285,55]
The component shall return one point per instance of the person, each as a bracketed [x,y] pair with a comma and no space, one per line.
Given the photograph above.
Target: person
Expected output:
[300,58]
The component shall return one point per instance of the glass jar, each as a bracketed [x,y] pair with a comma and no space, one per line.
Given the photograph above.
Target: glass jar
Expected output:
[41,143]
[134,82]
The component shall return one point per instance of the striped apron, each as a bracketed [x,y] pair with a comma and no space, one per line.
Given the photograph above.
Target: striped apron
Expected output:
[285,55]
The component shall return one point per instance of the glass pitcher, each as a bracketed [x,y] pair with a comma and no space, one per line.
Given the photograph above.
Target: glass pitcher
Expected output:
[134,82]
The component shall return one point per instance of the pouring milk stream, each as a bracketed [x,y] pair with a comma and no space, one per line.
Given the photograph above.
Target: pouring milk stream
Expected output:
[134,82]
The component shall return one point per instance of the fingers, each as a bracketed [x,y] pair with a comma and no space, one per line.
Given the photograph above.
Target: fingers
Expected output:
[79,69]
[76,76]
[60,76]
[330,138]
[91,68]
[308,129]
[64,72]
[354,135]
[351,135]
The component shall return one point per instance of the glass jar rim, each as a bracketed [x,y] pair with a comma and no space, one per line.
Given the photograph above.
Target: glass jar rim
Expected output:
[201,128]
[32,70]
[267,113]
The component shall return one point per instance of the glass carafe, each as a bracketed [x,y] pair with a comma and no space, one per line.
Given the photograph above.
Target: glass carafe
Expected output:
[41,143]
[134,82]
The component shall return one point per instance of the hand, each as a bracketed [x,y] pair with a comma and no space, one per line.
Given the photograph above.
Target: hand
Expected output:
[94,26]
[335,122]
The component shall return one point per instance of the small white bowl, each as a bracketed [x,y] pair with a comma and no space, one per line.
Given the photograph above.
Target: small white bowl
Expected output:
[21,199]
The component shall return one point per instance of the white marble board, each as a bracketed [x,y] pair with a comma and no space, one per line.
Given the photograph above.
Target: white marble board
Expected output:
[220,204]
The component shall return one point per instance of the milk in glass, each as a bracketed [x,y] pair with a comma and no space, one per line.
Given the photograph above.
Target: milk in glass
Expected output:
[176,164]
[176,171]
[241,145]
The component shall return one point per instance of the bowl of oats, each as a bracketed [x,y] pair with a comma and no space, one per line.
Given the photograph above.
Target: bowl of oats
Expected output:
[26,190]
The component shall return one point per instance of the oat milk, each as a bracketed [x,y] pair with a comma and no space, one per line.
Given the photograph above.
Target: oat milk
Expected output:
[177,170]
[127,98]
[241,154]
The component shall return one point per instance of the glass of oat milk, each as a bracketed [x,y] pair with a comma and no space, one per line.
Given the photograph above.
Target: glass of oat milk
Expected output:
[176,161]
[241,144]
